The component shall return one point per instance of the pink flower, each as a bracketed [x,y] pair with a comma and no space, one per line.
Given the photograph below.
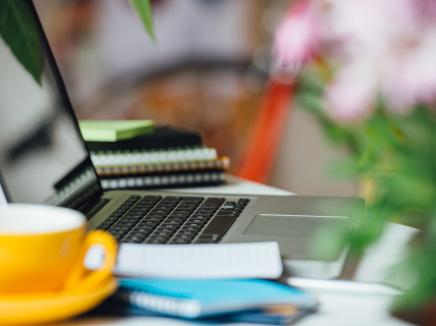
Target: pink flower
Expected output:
[409,77]
[350,95]
[296,40]
[378,48]
[425,10]
[378,57]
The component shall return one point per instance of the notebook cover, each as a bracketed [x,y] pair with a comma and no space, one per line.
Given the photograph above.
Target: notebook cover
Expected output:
[276,315]
[201,298]
[161,137]
[280,315]
[113,130]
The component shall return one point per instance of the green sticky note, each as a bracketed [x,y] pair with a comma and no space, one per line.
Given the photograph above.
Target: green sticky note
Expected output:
[113,130]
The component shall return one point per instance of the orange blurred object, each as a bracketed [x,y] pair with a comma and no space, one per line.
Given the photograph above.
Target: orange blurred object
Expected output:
[269,125]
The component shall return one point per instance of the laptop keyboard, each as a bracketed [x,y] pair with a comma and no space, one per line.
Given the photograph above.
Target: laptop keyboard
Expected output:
[173,220]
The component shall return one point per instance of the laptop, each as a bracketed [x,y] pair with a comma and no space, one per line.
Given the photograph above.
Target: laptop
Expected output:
[44,160]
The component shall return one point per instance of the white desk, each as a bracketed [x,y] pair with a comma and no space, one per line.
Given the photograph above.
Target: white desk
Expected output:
[342,303]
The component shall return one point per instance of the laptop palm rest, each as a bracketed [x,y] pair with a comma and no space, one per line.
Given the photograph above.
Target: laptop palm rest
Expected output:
[295,235]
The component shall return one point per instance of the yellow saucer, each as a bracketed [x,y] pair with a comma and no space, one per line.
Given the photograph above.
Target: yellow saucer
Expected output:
[49,307]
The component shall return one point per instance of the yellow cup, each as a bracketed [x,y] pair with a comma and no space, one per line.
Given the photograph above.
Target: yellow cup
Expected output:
[43,248]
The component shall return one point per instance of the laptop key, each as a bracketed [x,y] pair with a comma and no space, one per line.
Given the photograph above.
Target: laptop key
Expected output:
[151,198]
[157,240]
[134,239]
[181,240]
[226,212]
[219,225]
[167,228]
[210,239]
[243,202]
[104,226]
[192,198]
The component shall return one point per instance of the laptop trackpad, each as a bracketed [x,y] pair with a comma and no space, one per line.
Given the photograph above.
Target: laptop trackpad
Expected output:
[295,234]
[290,225]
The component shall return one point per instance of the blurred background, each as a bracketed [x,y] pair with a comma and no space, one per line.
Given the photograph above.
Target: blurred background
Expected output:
[207,70]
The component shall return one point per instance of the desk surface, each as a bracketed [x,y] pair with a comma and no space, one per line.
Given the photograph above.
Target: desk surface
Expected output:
[365,302]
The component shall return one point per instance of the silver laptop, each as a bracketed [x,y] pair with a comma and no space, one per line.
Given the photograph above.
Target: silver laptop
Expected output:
[44,160]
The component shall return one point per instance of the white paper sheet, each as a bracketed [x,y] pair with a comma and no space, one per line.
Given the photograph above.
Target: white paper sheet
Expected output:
[241,260]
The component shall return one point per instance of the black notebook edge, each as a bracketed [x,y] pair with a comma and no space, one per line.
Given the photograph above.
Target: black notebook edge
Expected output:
[163,137]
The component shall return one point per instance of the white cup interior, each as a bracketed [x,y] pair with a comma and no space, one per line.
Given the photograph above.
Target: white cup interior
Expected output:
[36,219]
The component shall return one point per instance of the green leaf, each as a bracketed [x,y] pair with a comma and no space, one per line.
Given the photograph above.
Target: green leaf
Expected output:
[328,242]
[18,31]
[313,103]
[143,9]
[310,81]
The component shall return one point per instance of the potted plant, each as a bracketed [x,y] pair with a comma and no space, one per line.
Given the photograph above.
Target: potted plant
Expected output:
[367,70]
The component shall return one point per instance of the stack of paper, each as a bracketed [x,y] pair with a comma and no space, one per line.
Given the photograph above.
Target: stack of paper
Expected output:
[241,260]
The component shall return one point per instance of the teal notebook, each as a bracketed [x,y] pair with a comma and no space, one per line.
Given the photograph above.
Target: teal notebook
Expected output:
[113,130]
[203,298]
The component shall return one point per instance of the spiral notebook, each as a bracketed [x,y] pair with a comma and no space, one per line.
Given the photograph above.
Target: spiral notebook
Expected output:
[144,169]
[176,179]
[139,157]
[204,298]
[221,163]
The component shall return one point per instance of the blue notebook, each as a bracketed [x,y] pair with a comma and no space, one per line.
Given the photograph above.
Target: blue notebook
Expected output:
[276,315]
[204,298]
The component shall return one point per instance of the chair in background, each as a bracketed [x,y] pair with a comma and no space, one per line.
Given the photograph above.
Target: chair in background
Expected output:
[262,147]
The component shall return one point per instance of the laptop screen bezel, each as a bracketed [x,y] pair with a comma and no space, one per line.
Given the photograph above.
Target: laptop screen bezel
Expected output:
[4,195]
[63,97]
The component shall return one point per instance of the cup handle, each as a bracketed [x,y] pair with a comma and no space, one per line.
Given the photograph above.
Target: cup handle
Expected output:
[82,279]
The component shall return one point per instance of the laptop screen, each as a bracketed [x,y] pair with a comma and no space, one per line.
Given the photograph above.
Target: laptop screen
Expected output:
[42,156]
